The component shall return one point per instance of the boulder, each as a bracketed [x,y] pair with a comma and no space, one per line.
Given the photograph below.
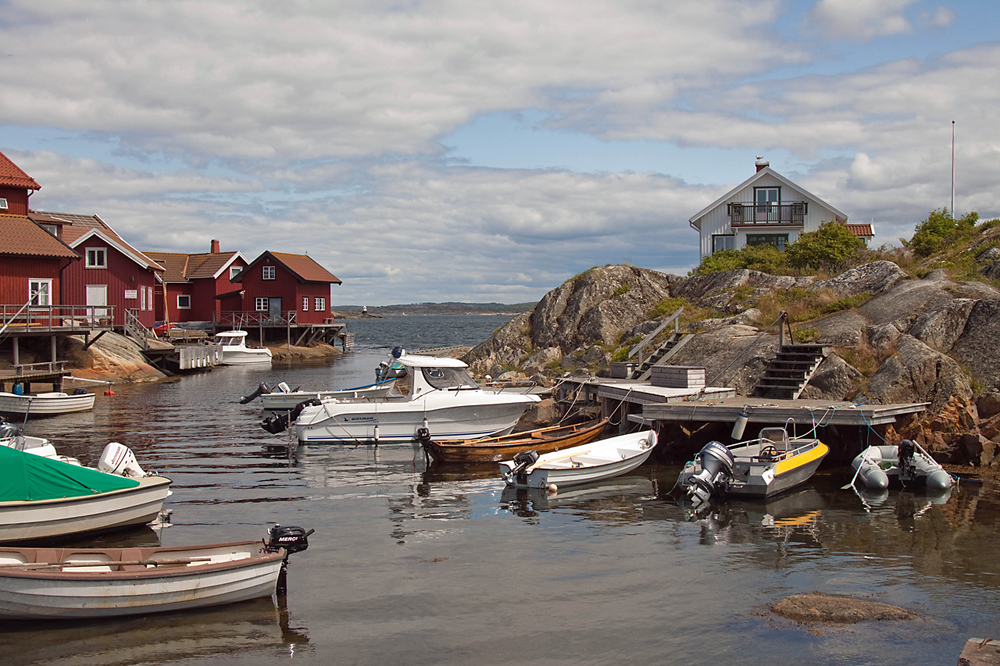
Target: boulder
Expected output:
[874,278]
[905,301]
[883,338]
[941,328]
[731,355]
[988,404]
[977,347]
[989,254]
[833,380]
[917,373]
[991,271]
[842,329]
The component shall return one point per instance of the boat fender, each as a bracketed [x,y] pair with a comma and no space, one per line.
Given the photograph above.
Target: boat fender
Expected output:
[740,424]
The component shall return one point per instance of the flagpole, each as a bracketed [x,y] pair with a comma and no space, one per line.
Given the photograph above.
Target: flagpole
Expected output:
[953,169]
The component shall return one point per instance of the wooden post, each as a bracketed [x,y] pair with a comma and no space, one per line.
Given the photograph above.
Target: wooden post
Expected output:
[17,354]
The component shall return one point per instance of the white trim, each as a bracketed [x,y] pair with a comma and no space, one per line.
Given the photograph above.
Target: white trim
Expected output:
[127,250]
[48,295]
[231,260]
[99,253]
[263,272]
[183,307]
[3,204]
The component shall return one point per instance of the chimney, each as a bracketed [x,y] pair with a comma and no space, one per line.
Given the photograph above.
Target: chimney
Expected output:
[215,247]
[761,163]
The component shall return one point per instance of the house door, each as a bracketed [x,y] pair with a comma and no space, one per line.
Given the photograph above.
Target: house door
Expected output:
[274,309]
[97,294]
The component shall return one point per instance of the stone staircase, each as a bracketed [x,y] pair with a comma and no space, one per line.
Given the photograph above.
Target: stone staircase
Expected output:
[789,372]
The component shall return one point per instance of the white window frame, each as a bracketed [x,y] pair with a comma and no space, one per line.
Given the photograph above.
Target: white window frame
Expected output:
[41,299]
[51,228]
[260,304]
[268,273]
[183,307]
[234,271]
[305,304]
[3,204]
[319,304]
[720,239]
[142,299]
[98,253]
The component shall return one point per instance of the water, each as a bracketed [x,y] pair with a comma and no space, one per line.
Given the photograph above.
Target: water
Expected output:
[436,566]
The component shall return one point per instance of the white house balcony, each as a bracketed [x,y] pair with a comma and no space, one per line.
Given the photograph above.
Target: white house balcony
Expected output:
[763,215]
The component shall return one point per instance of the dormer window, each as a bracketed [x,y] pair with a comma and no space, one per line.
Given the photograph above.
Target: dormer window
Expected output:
[97,257]
[51,228]
[3,204]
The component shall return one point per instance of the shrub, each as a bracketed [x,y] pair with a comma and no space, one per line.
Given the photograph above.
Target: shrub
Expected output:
[830,245]
[938,230]
[621,355]
[666,306]
[624,289]
[723,260]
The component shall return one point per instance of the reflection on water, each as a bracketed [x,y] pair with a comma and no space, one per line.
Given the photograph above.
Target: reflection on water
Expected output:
[430,564]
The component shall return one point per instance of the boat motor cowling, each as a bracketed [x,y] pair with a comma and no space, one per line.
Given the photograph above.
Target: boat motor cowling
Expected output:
[119,459]
[278,423]
[716,469]
[263,389]
[293,539]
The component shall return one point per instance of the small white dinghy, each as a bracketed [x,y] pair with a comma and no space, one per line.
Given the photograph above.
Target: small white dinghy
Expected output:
[577,465]
[876,465]
[46,404]
[76,583]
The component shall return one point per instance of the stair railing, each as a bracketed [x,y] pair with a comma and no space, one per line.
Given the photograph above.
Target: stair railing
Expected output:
[674,318]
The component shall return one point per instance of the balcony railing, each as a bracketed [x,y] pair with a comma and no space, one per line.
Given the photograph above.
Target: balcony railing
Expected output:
[56,318]
[749,215]
[241,319]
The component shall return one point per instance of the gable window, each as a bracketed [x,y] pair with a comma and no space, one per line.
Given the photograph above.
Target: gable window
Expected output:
[183,301]
[3,204]
[234,271]
[97,257]
[723,242]
[320,304]
[51,228]
[767,196]
[305,304]
[260,304]
[268,273]
[777,240]
[40,291]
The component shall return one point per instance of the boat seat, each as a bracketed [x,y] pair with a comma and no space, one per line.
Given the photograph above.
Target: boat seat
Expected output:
[132,555]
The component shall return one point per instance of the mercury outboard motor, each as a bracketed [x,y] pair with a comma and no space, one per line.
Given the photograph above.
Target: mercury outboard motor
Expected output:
[293,540]
[523,461]
[279,422]
[116,458]
[263,389]
[716,470]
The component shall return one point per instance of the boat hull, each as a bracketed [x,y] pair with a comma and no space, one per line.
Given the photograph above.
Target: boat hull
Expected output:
[288,401]
[41,519]
[484,415]
[588,463]
[45,404]
[236,572]
[877,465]
[245,356]
[495,449]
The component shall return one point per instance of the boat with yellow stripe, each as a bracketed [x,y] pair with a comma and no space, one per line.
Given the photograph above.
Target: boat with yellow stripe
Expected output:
[762,467]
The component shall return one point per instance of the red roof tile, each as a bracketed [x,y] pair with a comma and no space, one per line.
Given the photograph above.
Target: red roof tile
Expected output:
[864,230]
[20,236]
[304,267]
[75,225]
[11,175]
[173,262]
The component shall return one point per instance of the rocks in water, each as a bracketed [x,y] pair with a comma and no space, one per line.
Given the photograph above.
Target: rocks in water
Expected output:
[838,610]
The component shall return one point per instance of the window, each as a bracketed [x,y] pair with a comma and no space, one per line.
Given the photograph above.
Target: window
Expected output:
[777,240]
[97,257]
[260,304]
[766,196]
[40,291]
[234,271]
[305,304]
[268,273]
[142,299]
[183,302]
[51,228]
[723,242]
[3,204]
[320,304]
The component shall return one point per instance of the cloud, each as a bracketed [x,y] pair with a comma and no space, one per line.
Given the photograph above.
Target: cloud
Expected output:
[861,20]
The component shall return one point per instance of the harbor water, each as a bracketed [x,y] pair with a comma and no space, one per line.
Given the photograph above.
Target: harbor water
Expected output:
[416,564]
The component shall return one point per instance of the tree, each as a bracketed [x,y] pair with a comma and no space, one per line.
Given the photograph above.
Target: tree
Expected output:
[829,245]
[939,229]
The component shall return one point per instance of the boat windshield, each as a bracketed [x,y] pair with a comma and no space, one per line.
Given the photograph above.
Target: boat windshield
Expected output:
[449,378]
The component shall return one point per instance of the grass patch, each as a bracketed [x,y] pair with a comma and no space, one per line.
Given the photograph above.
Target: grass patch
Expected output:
[621,291]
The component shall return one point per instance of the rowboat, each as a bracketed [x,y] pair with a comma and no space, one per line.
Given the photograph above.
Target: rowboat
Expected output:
[505,447]
[577,465]
[42,497]
[876,465]
[74,583]
[762,467]
[46,404]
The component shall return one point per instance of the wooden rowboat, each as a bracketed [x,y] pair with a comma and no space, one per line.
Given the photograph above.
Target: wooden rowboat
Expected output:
[495,449]
[46,404]
[68,583]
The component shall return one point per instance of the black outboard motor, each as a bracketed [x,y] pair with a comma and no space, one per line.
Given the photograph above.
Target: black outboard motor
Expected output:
[907,468]
[279,422]
[716,470]
[423,437]
[523,461]
[263,389]
[8,430]
[293,540]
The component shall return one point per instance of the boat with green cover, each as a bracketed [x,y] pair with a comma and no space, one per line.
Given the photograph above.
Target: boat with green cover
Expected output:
[42,498]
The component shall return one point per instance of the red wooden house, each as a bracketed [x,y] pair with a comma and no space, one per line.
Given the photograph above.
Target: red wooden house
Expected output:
[111,272]
[278,284]
[194,286]
[32,261]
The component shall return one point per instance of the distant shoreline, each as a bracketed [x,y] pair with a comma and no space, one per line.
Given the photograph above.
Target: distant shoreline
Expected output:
[430,309]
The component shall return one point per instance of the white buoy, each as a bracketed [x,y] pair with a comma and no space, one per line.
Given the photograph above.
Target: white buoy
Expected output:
[553,489]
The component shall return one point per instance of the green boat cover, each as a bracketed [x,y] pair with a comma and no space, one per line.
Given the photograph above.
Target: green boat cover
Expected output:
[25,476]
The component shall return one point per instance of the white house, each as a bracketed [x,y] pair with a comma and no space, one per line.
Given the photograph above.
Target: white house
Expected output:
[766,208]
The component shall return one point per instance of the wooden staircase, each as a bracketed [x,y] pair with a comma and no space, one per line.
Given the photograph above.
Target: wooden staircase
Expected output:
[789,372]
[666,349]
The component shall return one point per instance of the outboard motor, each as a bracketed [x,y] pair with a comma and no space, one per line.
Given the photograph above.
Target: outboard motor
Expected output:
[9,430]
[907,466]
[263,389]
[79,390]
[716,469]
[279,422]
[293,540]
[522,461]
[283,388]
[119,459]
[423,437]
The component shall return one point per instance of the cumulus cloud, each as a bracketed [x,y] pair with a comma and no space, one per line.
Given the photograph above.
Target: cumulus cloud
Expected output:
[861,20]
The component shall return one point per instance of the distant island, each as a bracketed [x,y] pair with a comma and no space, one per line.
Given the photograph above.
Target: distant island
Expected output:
[419,309]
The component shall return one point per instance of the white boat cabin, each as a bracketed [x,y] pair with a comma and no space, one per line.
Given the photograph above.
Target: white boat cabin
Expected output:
[767,208]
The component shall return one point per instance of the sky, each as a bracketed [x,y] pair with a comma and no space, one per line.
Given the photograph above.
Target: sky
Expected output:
[460,150]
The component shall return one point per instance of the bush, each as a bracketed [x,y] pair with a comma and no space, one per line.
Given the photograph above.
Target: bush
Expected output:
[828,246]
[938,230]
[723,260]
[765,258]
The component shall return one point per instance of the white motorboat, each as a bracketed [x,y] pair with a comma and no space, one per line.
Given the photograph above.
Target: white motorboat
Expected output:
[12,436]
[577,465]
[762,467]
[46,404]
[876,465]
[283,398]
[433,393]
[80,583]
[236,352]
[42,498]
